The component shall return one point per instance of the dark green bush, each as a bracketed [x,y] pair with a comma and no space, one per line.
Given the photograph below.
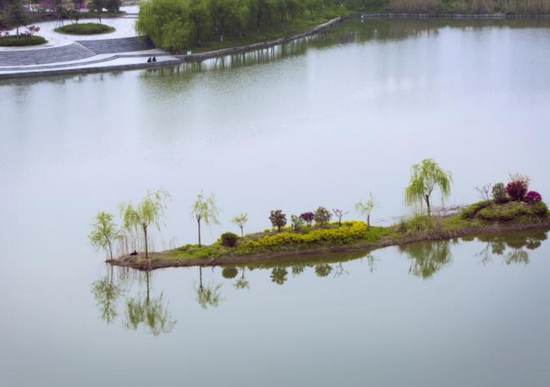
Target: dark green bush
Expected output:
[14,41]
[322,216]
[229,239]
[85,29]
[278,219]
[499,193]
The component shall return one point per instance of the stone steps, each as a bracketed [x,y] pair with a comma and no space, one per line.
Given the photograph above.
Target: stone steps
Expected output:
[112,46]
[46,55]
[79,50]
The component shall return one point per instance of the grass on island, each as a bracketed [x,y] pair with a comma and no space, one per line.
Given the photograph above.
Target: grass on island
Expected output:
[20,41]
[85,29]
[356,233]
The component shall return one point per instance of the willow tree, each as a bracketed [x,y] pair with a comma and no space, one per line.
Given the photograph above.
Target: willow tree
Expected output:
[167,23]
[104,232]
[141,217]
[205,209]
[425,178]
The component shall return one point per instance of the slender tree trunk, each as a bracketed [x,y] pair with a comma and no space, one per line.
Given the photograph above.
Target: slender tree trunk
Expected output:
[242,231]
[146,245]
[199,224]
[368,220]
[110,249]
[428,205]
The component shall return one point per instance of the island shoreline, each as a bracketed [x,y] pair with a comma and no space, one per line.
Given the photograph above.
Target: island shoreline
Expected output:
[436,235]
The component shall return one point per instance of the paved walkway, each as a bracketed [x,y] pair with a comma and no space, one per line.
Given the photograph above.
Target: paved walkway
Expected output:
[73,52]
[69,53]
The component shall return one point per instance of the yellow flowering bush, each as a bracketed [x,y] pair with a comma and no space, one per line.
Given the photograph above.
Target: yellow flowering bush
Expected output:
[349,232]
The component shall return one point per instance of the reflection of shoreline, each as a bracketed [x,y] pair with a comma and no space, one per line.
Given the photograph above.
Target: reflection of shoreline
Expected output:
[426,260]
[519,244]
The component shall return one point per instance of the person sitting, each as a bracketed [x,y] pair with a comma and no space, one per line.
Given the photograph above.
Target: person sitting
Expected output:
[134,253]
[149,60]
[154,59]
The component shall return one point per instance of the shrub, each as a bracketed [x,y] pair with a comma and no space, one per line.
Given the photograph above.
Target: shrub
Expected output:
[14,41]
[518,186]
[297,222]
[349,232]
[516,190]
[278,219]
[308,217]
[499,193]
[85,29]
[533,197]
[322,216]
[229,239]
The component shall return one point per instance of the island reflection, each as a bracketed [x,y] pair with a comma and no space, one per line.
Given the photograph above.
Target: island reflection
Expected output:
[140,308]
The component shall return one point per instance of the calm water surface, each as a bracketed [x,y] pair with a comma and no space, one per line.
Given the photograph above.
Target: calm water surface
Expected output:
[319,123]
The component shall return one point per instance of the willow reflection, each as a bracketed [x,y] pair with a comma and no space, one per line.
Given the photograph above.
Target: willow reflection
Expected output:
[153,313]
[428,257]
[106,292]
[209,294]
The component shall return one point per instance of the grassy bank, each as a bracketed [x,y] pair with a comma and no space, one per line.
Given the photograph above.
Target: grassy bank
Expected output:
[480,218]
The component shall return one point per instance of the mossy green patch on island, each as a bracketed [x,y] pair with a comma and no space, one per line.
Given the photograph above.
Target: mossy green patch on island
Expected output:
[513,211]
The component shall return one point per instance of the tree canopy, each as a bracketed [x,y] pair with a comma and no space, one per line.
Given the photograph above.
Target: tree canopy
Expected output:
[425,178]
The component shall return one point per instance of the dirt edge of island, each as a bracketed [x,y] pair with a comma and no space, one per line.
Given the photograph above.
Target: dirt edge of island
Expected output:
[158,263]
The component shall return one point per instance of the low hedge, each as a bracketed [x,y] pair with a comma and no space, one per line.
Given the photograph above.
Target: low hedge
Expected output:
[348,233]
[14,41]
[85,29]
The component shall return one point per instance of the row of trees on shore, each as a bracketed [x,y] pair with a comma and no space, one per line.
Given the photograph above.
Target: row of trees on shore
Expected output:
[176,25]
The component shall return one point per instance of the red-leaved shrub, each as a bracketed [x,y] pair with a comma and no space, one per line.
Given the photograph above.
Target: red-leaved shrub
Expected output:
[533,197]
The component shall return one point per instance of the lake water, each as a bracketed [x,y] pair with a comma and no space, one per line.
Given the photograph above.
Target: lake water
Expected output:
[322,122]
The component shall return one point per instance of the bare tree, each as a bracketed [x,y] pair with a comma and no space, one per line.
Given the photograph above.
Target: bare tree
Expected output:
[485,192]
[339,215]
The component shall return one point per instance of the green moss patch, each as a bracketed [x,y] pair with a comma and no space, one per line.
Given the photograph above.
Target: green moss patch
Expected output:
[85,29]
[14,41]
[507,212]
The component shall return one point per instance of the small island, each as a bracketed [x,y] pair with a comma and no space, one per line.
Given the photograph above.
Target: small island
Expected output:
[504,208]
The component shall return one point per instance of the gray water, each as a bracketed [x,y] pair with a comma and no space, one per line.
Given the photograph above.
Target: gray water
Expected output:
[322,122]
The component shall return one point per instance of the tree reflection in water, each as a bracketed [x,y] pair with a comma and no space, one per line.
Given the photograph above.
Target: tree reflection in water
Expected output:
[518,243]
[242,283]
[279,275]
[209,294]
[106,292]
[151,312]
[427,257]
